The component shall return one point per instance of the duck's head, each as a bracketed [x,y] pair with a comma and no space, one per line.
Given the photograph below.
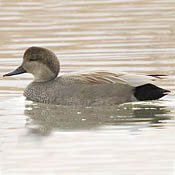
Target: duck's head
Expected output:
[40,62]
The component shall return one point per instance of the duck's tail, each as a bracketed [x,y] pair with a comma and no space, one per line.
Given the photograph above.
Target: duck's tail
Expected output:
[149,92]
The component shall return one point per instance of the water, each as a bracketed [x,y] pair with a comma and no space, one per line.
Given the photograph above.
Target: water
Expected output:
[124,35]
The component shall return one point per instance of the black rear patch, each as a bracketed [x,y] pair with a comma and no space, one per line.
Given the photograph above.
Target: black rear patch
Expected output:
[149,92]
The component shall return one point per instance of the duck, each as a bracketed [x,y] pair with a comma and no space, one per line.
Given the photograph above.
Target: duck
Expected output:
[87,88]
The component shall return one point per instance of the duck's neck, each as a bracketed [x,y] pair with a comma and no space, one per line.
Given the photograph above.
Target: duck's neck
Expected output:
[43,79]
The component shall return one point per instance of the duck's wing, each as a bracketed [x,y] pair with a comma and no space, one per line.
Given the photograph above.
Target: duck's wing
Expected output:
[102,76]
[95,77]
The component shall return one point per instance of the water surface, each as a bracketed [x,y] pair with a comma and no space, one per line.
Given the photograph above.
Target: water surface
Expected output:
[124,35]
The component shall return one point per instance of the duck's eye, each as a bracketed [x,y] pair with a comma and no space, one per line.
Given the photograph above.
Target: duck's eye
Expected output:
[32,59]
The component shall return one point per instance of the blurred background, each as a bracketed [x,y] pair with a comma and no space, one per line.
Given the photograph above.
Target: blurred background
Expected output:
[122,35]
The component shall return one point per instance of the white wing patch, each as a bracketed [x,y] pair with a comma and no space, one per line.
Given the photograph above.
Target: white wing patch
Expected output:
[137,80]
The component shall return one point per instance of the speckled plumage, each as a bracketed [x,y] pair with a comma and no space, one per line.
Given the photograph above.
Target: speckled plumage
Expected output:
[66,91]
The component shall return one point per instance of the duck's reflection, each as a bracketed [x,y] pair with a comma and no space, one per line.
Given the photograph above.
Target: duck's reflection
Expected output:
[43,119]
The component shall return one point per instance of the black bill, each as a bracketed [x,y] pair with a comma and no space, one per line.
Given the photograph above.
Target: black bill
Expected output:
[19,70]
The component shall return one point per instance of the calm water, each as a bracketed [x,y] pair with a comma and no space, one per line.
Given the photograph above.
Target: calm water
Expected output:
[123,35]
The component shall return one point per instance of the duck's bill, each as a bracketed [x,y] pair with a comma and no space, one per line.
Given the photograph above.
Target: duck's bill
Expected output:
[19,70]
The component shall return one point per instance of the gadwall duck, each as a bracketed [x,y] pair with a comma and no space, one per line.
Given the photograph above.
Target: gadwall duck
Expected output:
[82,88]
